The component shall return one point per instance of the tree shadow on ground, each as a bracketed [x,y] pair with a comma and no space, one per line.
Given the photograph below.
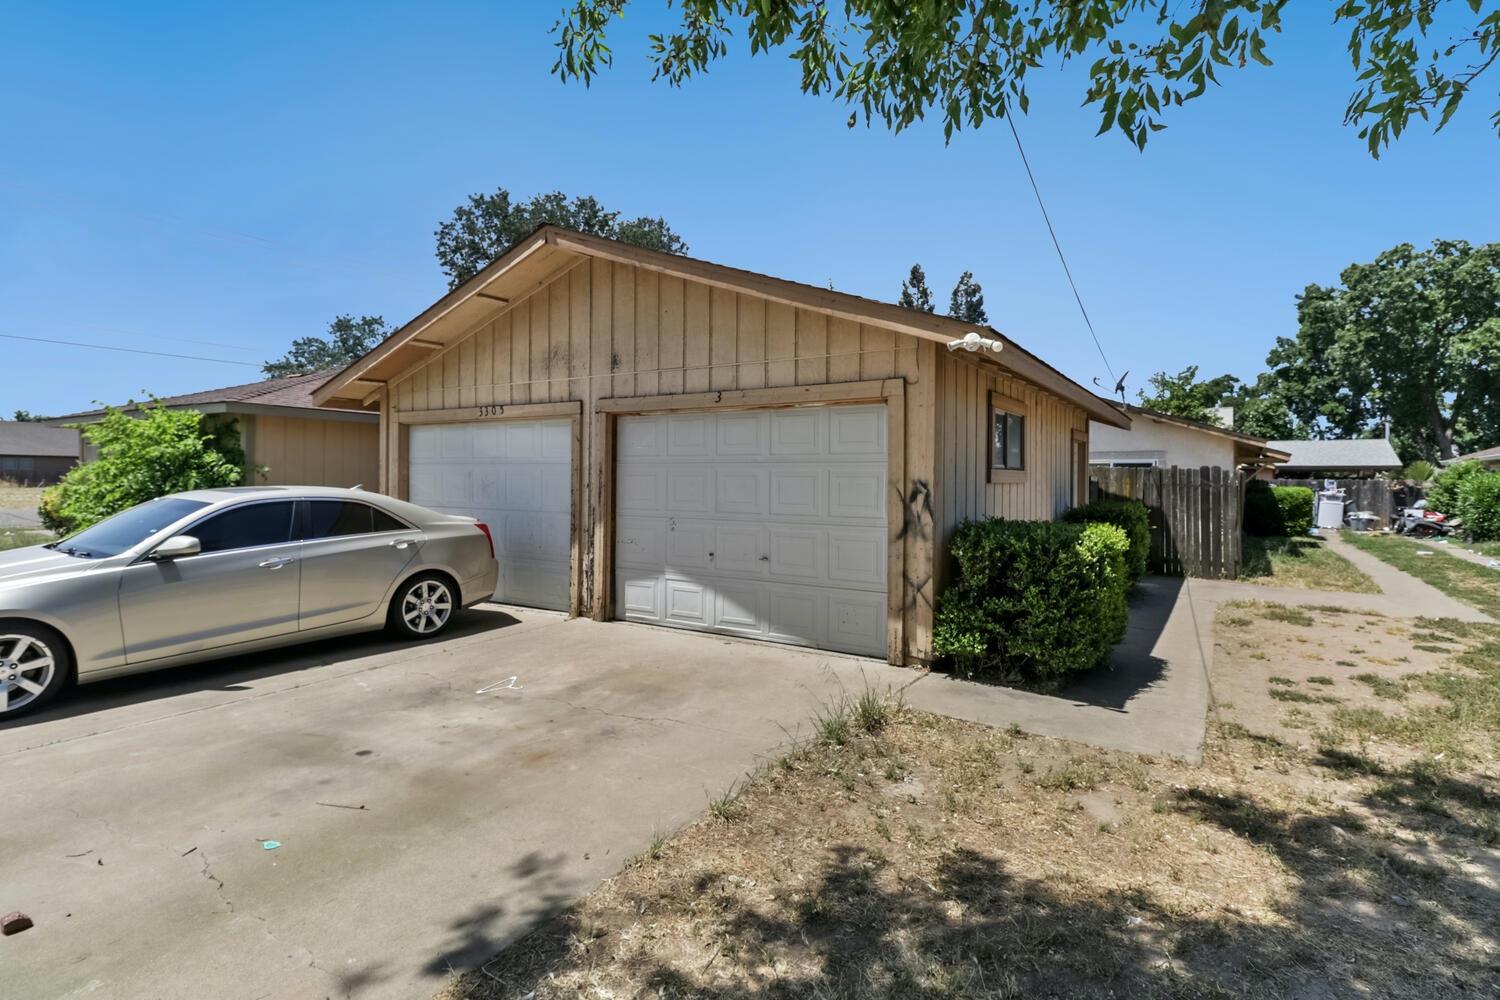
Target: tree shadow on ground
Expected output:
[1364,920]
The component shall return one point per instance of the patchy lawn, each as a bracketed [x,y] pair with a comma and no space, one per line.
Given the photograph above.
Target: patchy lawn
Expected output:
[1475,585]
[1301,562]
[21,539]
[12,495]
[900,854]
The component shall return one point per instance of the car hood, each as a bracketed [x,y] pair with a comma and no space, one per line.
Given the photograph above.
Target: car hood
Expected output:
[34,563]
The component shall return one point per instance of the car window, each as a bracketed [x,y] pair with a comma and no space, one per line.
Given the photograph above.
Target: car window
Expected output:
[245,527]
[334,518]
[385,522]
[130,527]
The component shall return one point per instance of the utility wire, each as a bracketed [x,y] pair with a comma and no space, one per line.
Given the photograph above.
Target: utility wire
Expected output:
[128,350]
[1010,120]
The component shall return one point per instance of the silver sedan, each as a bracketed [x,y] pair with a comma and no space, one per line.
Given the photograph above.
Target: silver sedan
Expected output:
[191,576]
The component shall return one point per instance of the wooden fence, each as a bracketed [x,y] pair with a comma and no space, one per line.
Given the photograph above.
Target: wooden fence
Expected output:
[1385,497]
[1196,515]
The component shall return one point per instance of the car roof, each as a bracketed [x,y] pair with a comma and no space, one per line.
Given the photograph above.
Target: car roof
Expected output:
[224,493]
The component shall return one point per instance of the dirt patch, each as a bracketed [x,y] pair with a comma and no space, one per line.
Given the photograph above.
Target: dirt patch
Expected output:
[919,856]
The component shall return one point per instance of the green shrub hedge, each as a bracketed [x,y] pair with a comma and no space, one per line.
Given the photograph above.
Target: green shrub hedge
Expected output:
[1131,517]
[1277,510]
[1032,599]
[1444,496]
[1479,506]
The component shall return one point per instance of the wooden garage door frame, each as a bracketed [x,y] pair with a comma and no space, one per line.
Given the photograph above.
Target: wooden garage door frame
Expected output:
[891,392]
[571,411]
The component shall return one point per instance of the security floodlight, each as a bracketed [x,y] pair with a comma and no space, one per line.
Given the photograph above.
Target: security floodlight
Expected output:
[972,342]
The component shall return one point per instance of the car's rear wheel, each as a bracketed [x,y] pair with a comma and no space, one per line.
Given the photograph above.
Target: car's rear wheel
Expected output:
[423,606]
[35,666]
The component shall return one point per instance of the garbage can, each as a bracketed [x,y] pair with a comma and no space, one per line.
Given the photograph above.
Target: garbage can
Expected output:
[1330,512]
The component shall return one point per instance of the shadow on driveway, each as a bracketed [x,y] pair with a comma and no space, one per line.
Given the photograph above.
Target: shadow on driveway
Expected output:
[234,673]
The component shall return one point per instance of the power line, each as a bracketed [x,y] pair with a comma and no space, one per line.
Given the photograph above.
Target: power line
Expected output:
[128,350]
[1010,120]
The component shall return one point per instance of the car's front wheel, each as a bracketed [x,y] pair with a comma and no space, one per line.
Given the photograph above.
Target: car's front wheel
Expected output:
[423,606]
[35,666]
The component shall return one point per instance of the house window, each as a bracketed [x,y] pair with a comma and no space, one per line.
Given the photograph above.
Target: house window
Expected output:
[1007,439]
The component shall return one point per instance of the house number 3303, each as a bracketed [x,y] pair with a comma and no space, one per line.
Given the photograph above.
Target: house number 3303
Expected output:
[491,410]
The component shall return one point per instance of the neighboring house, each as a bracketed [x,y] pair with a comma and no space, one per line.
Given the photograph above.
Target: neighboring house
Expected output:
[667,440]
[1357,458]
[1489,458]
[33,454]
[292,441]
[1160,439]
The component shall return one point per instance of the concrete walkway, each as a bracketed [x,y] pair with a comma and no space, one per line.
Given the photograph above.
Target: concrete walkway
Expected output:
[1153,699]
[1407,596]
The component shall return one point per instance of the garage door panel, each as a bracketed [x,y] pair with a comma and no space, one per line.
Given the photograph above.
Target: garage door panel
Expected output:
[641,542]
[856,432]
[857,558]
[768,524]
[689,544]
[690,490]
[797,432]
[640,491]
[741,549]
[742,491]
[857,493]
[517,478]
[796,492]
[742,435]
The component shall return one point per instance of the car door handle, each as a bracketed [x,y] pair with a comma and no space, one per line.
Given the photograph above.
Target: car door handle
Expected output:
[276,563]
[401,543]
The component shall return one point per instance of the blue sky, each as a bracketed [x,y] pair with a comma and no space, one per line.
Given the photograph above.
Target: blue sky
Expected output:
[218,182]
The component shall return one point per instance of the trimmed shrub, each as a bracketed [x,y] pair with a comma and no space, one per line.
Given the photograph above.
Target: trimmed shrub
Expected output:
[1443,495]
[1032,599]
[1479,506]
[1131,517]
[1271,511]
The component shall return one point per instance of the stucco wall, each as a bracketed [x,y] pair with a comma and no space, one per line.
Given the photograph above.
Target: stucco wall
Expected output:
[1168,444]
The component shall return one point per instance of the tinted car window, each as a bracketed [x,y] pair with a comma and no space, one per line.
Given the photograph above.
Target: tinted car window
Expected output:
[244,527]
[385,522]
[130,527]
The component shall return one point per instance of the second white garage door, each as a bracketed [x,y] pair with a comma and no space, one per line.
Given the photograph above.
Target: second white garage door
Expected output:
[515,476]
[769,524]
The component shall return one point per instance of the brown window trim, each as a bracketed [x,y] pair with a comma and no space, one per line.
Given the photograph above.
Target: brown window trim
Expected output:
[1000,403]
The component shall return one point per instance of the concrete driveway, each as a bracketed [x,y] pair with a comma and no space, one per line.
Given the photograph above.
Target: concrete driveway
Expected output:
[428,808]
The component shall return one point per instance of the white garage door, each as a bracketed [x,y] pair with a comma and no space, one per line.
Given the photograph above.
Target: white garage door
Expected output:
[515,476]
[769,524]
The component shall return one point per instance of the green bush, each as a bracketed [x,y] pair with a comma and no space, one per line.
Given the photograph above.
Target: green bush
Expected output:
[1271,511]
[1131,517]
[1443,495]
[1032,599]
[1479,506]
[143,457]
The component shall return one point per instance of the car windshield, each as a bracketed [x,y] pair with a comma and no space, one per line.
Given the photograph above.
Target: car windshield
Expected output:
[115,534]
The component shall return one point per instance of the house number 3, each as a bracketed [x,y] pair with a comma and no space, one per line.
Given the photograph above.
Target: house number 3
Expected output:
[491,410]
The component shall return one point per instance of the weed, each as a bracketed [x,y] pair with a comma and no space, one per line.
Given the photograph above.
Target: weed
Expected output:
[1320,679]
[726,807]
[1282,681]
[1291,616]
[1282,694]
[1383,687]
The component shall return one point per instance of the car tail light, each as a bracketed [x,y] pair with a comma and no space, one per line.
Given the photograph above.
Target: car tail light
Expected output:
[487,536]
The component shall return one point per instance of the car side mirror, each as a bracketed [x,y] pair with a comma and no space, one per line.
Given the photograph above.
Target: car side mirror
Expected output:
[175,548]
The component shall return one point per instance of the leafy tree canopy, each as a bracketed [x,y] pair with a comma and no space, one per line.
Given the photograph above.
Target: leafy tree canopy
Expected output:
[1184,395]
[967,301]
[914,291]
[26,416]
[142,456]
[489,224]
[1413,338]
[347,339]
[967,60]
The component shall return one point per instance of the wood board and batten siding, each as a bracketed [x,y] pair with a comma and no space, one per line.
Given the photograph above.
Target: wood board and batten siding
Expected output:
[599,340]
[296,451]
[1048,485]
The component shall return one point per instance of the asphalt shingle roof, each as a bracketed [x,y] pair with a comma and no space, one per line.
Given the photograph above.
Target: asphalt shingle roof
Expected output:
[293,390]
[20,437]
[1359,453]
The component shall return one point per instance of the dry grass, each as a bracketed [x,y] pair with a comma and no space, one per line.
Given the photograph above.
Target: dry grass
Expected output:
[1306,563]
[12,495]
[925,857]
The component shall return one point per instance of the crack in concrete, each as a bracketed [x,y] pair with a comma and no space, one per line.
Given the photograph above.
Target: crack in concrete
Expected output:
[207,873]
